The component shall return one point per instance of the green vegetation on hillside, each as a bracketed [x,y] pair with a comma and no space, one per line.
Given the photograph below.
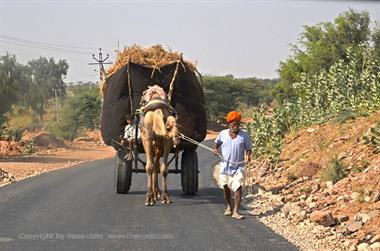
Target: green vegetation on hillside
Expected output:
[339,79]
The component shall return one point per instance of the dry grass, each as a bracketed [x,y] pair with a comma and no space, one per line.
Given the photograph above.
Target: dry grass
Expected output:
[155,56]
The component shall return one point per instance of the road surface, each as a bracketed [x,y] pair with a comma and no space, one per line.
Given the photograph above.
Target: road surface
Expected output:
[78,209]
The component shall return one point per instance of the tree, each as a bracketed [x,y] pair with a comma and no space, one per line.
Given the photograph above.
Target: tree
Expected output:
[322,45]
[226,93]
[12,81]
[376,40]
[81,111]
[221,95]
[46,77]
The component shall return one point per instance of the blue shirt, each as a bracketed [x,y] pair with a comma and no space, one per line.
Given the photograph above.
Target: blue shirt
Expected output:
[233,150]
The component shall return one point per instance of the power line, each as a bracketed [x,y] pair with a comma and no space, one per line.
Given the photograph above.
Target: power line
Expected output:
[46,48]
[44,43]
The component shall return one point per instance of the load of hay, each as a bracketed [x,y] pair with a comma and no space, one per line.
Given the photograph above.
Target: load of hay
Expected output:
[155,56]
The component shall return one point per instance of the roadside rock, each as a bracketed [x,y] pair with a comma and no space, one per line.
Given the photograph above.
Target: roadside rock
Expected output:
[364,218]
[323,218]
[373,214]
[84,139]
[376,238]
[330,185]
[289,210]
[315,188]
[363,247]
[354,226]
[376,196]
[342,218]
[310,199]
[355,196]
[300,216]
[375,246]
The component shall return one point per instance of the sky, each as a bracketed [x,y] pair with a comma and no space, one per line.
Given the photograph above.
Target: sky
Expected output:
[242,38]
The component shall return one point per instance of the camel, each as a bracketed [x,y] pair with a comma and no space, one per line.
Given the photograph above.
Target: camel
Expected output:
[158,135]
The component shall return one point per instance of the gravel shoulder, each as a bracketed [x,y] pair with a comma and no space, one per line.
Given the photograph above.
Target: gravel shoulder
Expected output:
[270,210]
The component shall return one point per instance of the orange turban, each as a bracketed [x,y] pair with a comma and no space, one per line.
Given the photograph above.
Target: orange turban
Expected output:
[233,116]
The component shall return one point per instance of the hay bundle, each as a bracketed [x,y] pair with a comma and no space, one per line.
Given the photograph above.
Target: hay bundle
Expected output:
[155,56]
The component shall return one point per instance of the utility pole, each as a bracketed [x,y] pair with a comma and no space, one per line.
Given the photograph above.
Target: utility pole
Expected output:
[56,103]
[100,61]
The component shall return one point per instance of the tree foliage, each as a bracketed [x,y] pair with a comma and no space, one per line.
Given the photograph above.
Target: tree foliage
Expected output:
[30,85]
[81,111]
[322,45]
[226,93]
[46,78]
[13,80]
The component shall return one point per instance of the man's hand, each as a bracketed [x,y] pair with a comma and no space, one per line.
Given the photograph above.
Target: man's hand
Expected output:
[248,156]
[216,152]
[216,147]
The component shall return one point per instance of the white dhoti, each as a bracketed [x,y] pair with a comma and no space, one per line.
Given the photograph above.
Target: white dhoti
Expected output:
[233,182]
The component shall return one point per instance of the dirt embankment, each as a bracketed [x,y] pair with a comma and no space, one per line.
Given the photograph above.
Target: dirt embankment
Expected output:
[340,216]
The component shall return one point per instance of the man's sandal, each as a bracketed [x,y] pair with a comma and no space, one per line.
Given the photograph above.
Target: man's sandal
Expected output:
[238,217]
[228,212]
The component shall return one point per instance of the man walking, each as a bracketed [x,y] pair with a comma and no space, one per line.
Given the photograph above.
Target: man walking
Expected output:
[234,144]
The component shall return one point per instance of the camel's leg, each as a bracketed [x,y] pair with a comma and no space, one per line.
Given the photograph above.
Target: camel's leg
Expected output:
[164,171]
[156,190]
[148,147]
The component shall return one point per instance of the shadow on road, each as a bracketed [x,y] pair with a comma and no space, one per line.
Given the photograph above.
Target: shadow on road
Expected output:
[208,195]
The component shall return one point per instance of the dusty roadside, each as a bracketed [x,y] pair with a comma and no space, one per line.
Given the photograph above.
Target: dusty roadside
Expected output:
[20,167]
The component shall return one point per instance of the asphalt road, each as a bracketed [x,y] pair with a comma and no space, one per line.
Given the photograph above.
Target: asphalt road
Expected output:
[78,209]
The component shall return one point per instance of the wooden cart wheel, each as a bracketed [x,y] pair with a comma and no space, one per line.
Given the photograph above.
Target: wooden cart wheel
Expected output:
[189,172]
[124,174]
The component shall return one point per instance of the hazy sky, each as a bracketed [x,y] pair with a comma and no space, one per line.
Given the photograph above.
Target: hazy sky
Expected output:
[243,38]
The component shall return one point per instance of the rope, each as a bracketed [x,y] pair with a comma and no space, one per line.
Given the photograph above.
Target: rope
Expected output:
[130,87]
[207,148]
[170,94]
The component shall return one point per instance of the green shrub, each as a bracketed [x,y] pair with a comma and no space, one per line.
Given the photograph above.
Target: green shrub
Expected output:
[358,168]
[10,134]
[345,115]
[81,111]
[335,171]
[29,148]
[373,138]
[63,129]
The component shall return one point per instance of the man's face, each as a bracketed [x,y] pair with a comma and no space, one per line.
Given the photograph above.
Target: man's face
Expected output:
[130,121]
[234,126]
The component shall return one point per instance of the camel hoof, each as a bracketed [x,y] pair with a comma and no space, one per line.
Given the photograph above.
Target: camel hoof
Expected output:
[165,199]
[149,199]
